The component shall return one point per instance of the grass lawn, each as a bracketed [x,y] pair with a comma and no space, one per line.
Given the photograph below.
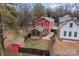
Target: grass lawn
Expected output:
[37,44]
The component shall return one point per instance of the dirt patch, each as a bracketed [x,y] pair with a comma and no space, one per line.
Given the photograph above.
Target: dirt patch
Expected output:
[65,47]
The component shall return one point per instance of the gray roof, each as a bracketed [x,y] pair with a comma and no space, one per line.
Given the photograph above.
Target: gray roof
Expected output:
[17,40]
[67,18]
[39,28]
[64,18]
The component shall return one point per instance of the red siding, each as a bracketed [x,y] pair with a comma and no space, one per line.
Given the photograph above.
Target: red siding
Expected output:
[43,21]
[14,48]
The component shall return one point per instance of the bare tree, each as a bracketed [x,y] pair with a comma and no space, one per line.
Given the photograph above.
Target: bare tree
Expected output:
[24,15]
[39,10]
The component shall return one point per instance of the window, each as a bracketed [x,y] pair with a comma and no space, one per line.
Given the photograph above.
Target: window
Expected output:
[46,23]
[33,32]
[70,33]
[40,24]
[46,30]
[64,33]
[75,34]
[71,25]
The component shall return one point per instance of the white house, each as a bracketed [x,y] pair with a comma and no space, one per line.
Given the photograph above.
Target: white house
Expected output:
[69,28]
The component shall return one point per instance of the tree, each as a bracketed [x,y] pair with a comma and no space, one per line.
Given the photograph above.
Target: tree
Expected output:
[7,21]
[24,15]
[39,10]
[59,12]
[75,13]
[63,10]
[49,12]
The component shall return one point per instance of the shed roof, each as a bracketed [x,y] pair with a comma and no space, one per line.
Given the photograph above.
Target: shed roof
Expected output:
[17,40]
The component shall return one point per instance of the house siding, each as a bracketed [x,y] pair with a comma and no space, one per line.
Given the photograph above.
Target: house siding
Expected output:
[43,22]
[14,48]
[67,28]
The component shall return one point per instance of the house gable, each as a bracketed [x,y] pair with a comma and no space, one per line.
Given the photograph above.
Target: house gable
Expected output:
[67,31]
[44,18]
[66,19]
[68,23]
[46,23]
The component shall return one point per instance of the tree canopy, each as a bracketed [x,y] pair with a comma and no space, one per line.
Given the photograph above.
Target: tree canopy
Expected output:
[8,19]
[39,10]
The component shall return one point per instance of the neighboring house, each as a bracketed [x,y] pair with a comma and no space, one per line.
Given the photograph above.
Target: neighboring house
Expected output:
[46,23]
[68,28]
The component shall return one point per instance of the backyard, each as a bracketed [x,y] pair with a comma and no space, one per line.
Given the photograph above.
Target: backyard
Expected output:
[37,44]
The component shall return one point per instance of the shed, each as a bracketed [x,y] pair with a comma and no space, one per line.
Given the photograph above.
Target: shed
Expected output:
[15,44]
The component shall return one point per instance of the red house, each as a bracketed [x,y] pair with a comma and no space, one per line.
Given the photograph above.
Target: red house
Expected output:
[46,23]
[16,43]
